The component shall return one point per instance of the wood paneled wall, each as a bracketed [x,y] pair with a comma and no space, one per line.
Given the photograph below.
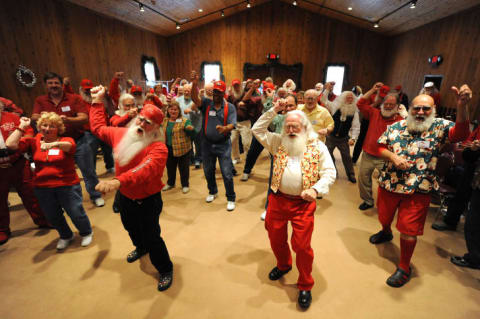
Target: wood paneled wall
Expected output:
[457,38]
[55,35]
[294,33]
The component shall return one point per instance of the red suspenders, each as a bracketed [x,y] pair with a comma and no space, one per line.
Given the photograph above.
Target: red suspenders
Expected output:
[225,116]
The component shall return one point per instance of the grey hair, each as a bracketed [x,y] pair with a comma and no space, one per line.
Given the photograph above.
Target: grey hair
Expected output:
[395,95]
[312,91]
[122,98]
[305,122]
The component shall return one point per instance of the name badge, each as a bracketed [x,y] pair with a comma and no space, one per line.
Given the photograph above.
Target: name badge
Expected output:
[293,162]
[423,144]
[53,151]
[178,120]
[66,108]
[212,113]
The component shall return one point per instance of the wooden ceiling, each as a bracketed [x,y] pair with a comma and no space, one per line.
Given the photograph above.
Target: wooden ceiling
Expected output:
[363,14]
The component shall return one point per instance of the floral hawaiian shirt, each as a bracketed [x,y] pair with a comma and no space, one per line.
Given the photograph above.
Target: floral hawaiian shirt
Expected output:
[421,151]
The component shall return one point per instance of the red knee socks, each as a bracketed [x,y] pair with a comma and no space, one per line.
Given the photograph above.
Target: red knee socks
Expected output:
[406,251]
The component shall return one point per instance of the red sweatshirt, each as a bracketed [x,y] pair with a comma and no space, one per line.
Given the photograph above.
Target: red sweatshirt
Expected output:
[378,125]
[141,177]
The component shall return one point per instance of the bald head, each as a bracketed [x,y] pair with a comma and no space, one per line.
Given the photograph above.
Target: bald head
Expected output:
[311,99]
[423,99]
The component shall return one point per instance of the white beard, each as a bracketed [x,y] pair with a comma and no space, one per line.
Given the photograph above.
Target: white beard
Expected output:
[347,110]
[132,143]
[237,95]
[388,113]
[295,146]
[416,126]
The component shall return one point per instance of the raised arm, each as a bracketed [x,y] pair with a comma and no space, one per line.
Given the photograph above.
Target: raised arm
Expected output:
[195,98]
[461,129]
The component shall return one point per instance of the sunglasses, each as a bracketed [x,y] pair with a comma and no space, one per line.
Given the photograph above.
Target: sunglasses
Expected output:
[422,107]
[143,119]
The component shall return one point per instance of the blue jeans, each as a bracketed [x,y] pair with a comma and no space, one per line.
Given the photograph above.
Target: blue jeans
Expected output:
[197,158]
[94,143]
[210,153]
[52,200]
[253,153]
[83,159]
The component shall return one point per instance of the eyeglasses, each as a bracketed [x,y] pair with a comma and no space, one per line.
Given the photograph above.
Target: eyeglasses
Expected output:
[294,127]
[422,107]
[143,119]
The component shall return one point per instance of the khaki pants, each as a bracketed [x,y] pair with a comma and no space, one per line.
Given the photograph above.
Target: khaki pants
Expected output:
[367,165]
[243,129]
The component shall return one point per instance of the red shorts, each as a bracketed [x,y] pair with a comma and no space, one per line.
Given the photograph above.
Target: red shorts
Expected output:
[412,210]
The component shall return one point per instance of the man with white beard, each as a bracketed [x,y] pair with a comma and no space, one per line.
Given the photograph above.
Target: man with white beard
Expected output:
[126,111]
[411,148]
[140,158]
[345,115]
[303,170]
[379,120]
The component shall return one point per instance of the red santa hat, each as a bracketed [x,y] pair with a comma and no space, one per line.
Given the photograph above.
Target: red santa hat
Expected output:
[153,113]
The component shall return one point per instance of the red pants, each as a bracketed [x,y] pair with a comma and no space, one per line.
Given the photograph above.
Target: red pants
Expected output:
[20,177]
[412,210]
[281,209]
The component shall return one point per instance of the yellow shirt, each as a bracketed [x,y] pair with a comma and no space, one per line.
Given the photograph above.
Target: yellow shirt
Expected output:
[320,119]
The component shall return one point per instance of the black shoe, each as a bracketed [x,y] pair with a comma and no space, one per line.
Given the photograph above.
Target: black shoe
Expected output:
[399,278]
[135,254]
[440,225]
[463,262]
[380,237]
[165,281]
[304,299]
[364,206]
[352,179]
[115,208]
[276,273]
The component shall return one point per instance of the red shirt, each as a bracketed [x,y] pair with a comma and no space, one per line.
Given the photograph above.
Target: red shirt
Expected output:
[10,106]
[120,121]
[378,125]
[70,105]
[8,123]
[53,168]
[141,177]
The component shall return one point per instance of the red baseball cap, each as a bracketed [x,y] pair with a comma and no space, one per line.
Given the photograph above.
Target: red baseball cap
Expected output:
[398,87]
[135,89]
[86,84]
[268,85]
[235,82]
[384,91]
[152,113]
[219,85]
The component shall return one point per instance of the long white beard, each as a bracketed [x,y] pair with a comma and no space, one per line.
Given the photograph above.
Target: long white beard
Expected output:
[388,113]
[295,146]
[416,126]
[347,110]
[131,144]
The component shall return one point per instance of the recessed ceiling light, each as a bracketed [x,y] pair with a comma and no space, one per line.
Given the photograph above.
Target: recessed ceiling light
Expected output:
[248,4]
[178,26]
[294,3]
[350,8]
[200,10]
[376,25]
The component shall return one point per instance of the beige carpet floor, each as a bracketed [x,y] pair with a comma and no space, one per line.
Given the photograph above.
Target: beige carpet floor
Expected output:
[221,263]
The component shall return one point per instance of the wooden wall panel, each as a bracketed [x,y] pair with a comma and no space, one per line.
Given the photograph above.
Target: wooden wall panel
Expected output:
[457,38]
[296,34]
[54,35]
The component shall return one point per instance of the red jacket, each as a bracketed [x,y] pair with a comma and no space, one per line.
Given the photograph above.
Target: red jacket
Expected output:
[120,121]
[141,177]
[378,124]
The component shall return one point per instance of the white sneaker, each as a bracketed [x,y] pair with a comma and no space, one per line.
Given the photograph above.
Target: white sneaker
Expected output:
[264,214]
[167,187]
[87,240]
[235,161]
[244,177]
[185,190]
[230,206]
[63,243]
[99,202]
[210,198]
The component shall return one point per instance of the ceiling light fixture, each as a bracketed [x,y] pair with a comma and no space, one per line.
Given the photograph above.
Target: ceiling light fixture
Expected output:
[294,3]
[350,8]
[141,7]
[376,24]
[248,4]
[222,13]
[413,4]
[178,26]
[200,10]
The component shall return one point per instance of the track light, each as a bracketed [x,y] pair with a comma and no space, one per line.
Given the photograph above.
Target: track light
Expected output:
[294,3]
[376,24]
[178,26]
[141,7]
[413,4]
[248,4]
[222,13]
[200,10]
[350,8]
